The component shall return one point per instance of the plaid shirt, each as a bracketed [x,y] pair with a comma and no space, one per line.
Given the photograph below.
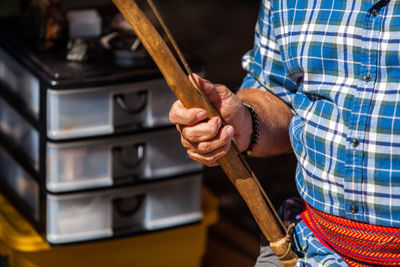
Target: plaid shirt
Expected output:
[336,63]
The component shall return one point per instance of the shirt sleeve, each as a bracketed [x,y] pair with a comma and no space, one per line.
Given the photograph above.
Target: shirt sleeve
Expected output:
[264,63]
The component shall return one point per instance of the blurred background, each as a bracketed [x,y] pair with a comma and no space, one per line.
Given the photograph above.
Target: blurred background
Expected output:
[218,32]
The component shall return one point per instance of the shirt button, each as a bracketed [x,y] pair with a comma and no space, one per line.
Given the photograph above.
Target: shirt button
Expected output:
[355,142]
[367,77]
[354,209]
[374,12]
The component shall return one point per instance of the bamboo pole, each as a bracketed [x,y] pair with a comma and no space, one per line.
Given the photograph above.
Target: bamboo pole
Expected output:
[233,164]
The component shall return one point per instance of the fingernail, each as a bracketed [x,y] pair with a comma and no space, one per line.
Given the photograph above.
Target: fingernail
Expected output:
[230,130]
[218,122]
[201,115]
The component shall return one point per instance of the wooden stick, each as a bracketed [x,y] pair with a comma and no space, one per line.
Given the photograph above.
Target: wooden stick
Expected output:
[233,163]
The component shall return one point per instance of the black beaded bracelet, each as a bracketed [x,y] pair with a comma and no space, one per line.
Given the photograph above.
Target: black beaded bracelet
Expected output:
[256,131]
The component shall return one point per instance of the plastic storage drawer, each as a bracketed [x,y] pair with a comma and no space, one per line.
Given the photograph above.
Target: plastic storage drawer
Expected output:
[123,160]
[74,217]
[102,110]
[75,100]
[96,163]
[21,246]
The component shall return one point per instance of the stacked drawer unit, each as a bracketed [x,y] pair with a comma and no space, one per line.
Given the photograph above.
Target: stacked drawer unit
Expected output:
[87,150]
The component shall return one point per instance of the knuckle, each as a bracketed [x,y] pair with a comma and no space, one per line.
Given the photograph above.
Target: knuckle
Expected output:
[192,118]
[224,91]
[190,135]
[194,158]
[185,143]
[172,113]
[205,147]
[191,155]
[171,117]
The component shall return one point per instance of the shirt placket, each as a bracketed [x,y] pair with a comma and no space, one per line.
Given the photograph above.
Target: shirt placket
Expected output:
[360,107]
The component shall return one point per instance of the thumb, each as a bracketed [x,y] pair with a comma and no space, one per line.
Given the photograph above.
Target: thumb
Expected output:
[206,86]
[215,93]
[228,105]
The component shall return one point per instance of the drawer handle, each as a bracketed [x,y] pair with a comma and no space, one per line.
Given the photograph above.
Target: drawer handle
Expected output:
[120,99]
[117,152]
[128,211]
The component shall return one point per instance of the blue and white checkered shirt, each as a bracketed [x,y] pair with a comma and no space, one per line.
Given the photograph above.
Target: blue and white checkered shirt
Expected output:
[337,64]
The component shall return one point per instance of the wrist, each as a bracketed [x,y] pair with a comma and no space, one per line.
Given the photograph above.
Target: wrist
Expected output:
[254,130]
[243,127]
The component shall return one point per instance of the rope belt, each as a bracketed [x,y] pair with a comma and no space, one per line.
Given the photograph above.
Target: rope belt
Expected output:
[359,244]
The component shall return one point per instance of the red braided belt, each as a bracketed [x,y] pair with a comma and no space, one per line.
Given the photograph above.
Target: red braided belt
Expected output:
[359,244]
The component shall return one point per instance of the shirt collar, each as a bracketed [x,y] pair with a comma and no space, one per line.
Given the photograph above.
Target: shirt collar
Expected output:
[378,5]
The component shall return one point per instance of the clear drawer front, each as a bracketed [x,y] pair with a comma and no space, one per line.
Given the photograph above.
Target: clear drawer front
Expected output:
[105,110]
[105,162]
[101,214]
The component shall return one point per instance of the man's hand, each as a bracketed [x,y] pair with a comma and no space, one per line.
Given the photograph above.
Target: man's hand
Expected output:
[206,140]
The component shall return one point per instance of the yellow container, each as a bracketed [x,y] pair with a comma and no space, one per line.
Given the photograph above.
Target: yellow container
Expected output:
[182,246]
